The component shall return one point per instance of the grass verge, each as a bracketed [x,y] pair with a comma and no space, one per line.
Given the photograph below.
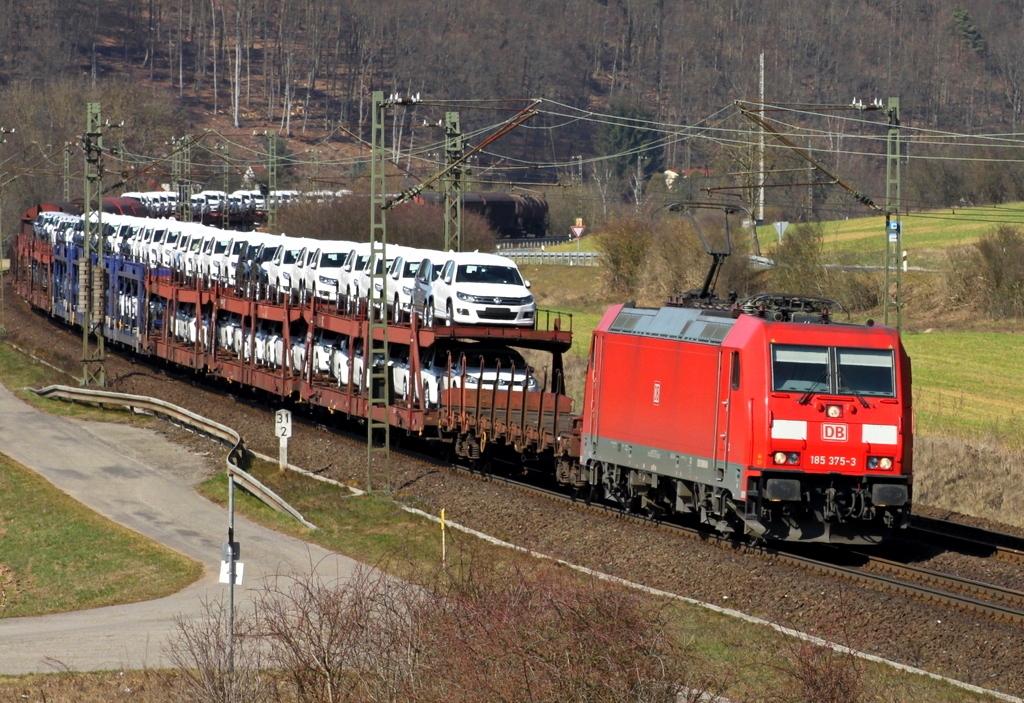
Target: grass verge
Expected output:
[59,555]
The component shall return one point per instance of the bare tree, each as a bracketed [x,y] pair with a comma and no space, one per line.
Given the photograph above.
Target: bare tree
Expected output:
[207,674]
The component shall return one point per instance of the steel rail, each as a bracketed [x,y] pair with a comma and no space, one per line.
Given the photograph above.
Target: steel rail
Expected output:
[182,416]
[995,611]
[1002,546]
[1012,598]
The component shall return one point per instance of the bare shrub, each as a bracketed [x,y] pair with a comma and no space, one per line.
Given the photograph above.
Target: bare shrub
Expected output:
[625,243]
[480,631]
[523,630]
[199,651]
[337,640]
[820,674]
[989,276]
[800,270]
[676,261]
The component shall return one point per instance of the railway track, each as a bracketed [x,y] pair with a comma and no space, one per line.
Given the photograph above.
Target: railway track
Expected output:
[987,600]
[972,540]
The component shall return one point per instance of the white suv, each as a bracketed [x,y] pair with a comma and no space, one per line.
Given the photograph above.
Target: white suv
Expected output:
[474,289]
[402,279]
[323,271]
[282,269]
[481,365]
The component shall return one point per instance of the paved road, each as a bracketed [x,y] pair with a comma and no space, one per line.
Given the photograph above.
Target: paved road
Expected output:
[143,481]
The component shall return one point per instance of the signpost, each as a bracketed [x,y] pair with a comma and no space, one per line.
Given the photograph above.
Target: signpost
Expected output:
[577,231]
[283,430]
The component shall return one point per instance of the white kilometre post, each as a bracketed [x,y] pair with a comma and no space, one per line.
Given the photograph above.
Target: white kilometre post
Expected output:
[283,430]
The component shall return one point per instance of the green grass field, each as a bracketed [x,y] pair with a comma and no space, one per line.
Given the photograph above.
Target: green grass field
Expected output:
[59,555]
[970,384]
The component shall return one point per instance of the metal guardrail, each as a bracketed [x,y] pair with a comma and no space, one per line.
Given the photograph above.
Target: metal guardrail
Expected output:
[555,258]
[187,418]
[530,242]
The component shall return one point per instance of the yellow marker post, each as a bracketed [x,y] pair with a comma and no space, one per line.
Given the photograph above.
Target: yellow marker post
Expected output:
[444,546]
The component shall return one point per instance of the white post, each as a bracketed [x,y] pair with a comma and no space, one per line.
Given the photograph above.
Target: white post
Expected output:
[283,430]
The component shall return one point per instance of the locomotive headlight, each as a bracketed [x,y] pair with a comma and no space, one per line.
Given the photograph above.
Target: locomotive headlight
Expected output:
[834,410]
[885,463]
[793,458]
[779,457]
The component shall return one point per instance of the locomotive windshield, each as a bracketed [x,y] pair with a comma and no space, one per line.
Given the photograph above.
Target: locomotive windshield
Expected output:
[835,370]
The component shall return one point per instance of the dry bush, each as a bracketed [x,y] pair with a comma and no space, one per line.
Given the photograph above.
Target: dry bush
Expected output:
[625,243]
[532,631]
[988,276]
[412,224]
[479,631]
[800,270]
[198,649]
[650,261]
[973,477]
[676,262]
[821,675]
[813,673]
[340,639]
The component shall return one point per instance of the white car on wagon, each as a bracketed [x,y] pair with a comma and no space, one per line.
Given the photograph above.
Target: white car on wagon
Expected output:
[473,289]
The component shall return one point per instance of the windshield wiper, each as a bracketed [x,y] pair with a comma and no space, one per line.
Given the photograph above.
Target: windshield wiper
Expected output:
[806,397]
[852,390]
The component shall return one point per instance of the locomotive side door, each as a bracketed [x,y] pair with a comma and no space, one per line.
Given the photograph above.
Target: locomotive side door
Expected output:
[728,383]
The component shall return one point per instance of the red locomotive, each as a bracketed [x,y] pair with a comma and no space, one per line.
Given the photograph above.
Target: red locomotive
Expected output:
[767,419]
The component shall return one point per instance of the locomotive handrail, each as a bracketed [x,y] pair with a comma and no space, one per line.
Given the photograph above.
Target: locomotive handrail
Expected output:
[187,418]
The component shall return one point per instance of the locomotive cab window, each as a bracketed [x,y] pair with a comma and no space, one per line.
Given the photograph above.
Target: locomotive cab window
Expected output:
[866,372]
[834,370]
[799,369]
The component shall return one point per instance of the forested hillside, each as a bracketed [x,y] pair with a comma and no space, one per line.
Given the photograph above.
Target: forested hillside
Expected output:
[306,69]
[960,65]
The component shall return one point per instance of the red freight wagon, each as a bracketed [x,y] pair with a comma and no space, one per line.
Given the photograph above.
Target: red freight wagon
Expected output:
[792,430]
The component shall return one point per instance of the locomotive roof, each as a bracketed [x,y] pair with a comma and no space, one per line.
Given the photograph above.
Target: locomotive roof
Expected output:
[682,324]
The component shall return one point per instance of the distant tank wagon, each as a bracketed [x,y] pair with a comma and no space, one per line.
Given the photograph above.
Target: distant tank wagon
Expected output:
[511,215]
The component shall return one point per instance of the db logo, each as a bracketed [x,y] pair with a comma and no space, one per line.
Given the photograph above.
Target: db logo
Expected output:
[832,432]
